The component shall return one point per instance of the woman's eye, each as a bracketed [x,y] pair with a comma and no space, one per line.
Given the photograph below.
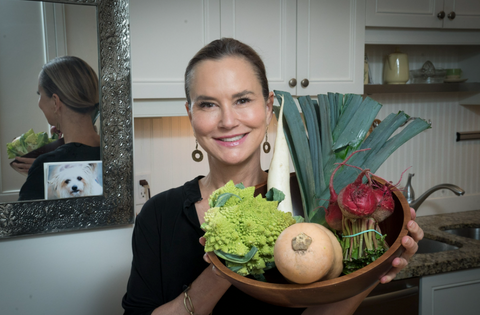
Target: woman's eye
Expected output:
[206,105]
[243,100]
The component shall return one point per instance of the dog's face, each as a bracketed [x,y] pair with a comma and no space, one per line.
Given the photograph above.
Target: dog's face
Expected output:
[72,180]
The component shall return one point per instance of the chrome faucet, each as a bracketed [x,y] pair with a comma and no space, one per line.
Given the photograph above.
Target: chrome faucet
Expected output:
[415,203]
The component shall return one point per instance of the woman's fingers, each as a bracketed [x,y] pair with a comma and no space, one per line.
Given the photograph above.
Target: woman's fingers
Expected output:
[202,240]
[401,262]
[398,264]
[415,231]
[206,258]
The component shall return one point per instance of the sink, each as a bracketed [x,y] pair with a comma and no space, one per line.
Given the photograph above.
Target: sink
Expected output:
[428,246]
[470,232]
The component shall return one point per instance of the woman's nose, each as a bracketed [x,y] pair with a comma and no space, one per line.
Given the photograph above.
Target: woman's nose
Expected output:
[229,118]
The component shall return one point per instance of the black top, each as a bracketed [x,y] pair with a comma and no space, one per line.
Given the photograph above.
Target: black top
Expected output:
[34,186]
[167,257]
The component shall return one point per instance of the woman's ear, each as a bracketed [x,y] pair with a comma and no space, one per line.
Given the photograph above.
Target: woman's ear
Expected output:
[269,109]
[56,100]
[189,111]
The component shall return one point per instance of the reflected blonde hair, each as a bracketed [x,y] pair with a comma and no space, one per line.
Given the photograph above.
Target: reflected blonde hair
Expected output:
[73,80]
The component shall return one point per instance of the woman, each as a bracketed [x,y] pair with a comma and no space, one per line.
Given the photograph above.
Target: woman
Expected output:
[68,95]
[229,106]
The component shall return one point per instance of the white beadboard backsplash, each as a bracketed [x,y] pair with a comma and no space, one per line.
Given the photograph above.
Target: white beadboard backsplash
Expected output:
[163,148]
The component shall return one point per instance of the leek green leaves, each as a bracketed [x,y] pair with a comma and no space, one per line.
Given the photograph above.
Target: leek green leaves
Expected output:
[332,127]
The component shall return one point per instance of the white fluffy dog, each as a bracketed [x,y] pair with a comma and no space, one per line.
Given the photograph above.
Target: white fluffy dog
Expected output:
[74,180]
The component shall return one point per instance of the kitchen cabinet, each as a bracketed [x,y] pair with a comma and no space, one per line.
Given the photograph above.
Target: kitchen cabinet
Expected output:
[450,293]
[308,46]
[446,14]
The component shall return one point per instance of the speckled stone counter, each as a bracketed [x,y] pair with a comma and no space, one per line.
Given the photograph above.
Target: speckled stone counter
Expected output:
[467,256]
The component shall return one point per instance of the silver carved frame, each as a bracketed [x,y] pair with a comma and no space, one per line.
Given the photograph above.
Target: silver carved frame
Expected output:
[116,206]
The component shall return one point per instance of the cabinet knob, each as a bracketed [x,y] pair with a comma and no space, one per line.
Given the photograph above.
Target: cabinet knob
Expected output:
[292,82]
[441,15]
[304,83]
[451,15]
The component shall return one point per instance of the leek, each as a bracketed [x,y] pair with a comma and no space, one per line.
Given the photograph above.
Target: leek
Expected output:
[331,129]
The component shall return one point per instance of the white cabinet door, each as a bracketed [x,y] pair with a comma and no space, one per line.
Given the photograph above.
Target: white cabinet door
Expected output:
[318,40]
[463,14]
[269,27]
[449,14]
[330,46]
[451,293]
[164,37]
[405,13]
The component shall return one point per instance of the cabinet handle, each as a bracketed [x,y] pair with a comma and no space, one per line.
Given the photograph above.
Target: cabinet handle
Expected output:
[451,15]
[292,82]
[304,83]
[441,15]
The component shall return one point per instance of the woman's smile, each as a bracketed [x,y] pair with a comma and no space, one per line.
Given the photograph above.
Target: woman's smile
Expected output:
[232,141]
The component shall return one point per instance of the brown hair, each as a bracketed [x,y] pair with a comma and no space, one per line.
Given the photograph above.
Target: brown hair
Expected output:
[73,80]
[227,47]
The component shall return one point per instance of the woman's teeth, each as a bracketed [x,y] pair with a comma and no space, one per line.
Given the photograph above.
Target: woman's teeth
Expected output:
[232,138]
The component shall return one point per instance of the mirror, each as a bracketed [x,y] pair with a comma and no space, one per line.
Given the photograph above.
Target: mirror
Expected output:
[116,205]
[34,33]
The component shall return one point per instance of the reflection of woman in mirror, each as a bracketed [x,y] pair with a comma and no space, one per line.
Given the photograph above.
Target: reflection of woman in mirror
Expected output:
[68,94]
[229,106]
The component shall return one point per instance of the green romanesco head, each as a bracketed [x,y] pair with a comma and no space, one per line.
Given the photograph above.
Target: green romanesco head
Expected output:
[241,221]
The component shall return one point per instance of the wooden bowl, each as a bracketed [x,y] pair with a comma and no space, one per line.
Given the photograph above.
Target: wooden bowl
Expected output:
[278,291]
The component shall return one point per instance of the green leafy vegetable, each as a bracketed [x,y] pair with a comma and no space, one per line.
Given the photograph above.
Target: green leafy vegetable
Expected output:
[28,142]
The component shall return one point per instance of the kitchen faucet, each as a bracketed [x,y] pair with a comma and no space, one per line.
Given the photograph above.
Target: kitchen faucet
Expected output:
[415,203]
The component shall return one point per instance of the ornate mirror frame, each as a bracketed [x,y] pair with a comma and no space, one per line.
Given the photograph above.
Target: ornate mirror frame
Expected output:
[116,206]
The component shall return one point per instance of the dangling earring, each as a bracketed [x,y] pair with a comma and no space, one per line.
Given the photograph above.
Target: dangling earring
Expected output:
[266,144]
[197,155]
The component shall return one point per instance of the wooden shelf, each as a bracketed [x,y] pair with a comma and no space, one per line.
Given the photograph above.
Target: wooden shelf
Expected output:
[370,89]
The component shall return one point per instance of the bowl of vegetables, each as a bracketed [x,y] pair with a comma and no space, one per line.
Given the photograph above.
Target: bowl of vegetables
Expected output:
[279,291]
[320,139]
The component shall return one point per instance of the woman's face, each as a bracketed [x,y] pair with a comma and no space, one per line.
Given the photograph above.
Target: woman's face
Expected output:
[229,114]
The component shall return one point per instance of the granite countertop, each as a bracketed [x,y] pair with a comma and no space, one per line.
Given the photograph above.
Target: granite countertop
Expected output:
[467,256]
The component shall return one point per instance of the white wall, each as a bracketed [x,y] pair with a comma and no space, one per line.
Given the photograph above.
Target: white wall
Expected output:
[73,273]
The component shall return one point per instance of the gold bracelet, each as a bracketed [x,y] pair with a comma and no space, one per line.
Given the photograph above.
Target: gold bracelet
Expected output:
[188,306]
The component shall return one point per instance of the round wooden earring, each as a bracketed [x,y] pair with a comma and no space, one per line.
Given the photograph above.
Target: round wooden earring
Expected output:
[197,155]
[266,144]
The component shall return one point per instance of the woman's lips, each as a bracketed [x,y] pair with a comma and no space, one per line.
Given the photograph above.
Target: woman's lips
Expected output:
[231,141]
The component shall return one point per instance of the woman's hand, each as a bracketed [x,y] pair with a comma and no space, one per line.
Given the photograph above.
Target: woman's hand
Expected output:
[22,165]
[411,246]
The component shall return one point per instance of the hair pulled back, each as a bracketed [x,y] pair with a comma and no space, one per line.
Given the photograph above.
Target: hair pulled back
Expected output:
[227,47]
[73,80]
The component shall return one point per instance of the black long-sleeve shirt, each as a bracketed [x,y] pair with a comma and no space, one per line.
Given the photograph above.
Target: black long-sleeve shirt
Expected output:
[167,257]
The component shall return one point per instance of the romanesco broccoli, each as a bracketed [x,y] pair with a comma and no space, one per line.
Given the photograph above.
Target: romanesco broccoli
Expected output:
[239,225]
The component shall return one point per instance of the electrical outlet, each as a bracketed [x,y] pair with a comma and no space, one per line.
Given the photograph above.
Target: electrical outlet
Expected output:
[141,192]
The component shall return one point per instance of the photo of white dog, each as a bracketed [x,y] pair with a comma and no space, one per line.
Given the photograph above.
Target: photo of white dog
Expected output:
[73,179]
